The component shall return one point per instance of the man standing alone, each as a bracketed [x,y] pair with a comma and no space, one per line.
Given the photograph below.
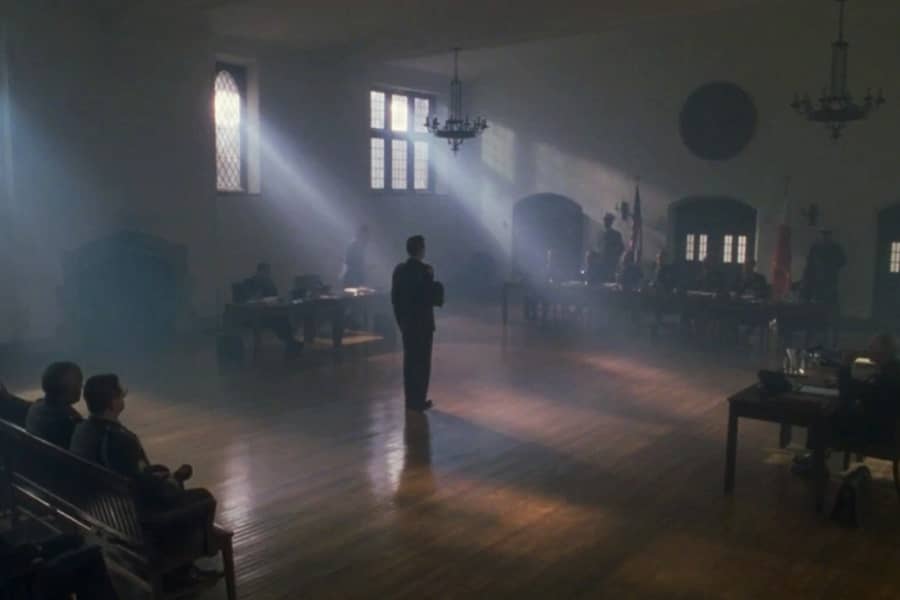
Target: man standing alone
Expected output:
[414,294]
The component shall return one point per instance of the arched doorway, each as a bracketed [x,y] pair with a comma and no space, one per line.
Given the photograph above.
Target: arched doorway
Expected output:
[545,223]
[719,226]
[886,295]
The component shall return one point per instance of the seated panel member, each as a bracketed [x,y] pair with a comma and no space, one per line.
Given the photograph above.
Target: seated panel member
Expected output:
[52,418]
[630,275]
[175,518]
[751,283]
[712,279]
[260,286]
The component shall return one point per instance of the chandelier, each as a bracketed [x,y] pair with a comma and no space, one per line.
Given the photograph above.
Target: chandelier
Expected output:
[456,129]
[835,108]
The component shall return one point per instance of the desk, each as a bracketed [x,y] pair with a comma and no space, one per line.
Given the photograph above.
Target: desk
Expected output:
[308,312]
[792,408]
[540,300]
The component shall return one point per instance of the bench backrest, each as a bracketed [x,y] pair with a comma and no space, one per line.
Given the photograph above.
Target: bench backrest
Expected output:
[94,496]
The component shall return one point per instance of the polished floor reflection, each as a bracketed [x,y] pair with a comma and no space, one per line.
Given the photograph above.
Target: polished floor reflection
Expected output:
[549,469]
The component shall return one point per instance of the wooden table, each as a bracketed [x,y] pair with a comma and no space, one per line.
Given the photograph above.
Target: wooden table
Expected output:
[539,301]
[308,312]
[812,411]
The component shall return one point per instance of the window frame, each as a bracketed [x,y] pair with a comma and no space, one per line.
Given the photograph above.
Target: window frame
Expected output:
[241,75]
[410,137]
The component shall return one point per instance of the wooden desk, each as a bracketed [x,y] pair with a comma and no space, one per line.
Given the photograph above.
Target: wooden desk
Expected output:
[309,313]
[792,408]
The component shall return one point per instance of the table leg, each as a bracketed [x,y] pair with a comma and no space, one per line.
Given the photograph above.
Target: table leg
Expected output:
[820,474]
[337,326]
[784,436]
[731,450]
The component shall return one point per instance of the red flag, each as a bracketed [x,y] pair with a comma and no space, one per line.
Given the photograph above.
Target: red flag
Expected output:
[637,227]
[781,263]
[781,260]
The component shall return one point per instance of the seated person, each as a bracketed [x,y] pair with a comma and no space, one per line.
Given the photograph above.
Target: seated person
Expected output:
[260,286]
[52,418]
[629,274]
[712,279]
[751,283]
[869,407]
[177,520]
[664,277]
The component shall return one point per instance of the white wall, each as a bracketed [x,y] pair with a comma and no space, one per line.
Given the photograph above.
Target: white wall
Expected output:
[583,116]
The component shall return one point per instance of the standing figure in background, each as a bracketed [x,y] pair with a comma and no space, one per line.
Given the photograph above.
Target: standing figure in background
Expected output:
[355,261]
[824,262]
[414,294]
[611,249]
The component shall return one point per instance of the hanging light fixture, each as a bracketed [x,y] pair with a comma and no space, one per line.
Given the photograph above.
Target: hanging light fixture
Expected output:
[835,108]
[456,129]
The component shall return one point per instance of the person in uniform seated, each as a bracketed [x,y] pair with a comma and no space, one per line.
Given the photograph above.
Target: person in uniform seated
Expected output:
[751,283]
[176,519]
[355,261]
[53,417]
[414,294]
[261,286]
[611,249]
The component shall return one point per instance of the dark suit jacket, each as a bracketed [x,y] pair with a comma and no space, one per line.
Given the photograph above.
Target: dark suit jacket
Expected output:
[414,296]
[52,422]
[112,445]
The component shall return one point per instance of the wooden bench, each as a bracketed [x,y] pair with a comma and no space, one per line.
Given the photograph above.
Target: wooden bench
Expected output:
[43,480]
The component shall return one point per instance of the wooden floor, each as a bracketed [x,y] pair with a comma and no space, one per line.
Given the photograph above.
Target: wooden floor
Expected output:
[549,468]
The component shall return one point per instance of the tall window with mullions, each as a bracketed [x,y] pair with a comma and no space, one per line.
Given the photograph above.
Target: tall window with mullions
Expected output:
[230,117]
[399,144]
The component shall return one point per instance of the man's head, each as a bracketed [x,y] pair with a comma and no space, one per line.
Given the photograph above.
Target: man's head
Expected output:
[62,382]
[661,257]
[415,247]
[826,235]
[608,219]
[264,268]
[362,234]
[105,396]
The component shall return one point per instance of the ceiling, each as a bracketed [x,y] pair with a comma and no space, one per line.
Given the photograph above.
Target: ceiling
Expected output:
[401,28]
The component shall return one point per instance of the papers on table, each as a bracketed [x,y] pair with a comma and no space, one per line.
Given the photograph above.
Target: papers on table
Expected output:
[819,391]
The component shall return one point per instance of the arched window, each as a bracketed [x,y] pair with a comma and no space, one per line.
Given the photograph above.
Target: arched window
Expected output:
[229,103]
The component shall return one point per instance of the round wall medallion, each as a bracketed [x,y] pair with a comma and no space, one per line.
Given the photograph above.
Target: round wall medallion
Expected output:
[718,120]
